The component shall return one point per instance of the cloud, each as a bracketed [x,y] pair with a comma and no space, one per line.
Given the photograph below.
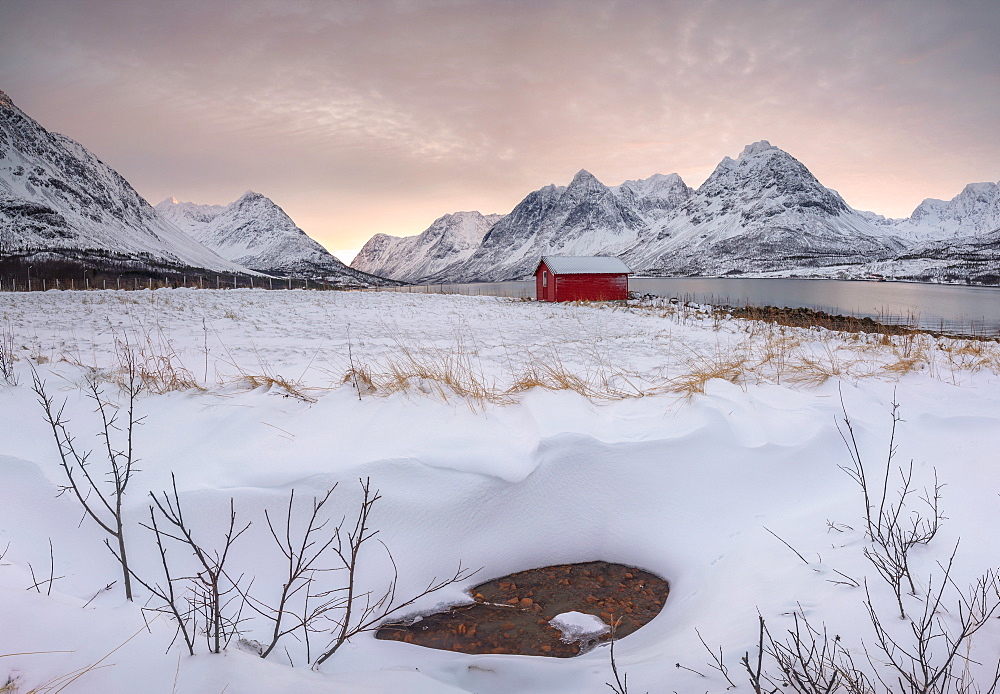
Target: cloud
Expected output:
[379,116]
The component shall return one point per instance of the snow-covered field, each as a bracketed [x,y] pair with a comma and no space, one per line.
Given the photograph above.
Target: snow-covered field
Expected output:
[502,435]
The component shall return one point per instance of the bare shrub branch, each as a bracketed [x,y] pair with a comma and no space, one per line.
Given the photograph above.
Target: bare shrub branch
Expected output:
[213,591]
[101,501]
[352,611]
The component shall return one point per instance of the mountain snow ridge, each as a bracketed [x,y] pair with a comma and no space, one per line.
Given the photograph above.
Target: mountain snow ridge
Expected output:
[763,211]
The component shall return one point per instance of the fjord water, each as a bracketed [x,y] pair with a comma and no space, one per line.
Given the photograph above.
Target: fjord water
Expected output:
[946,307]
[951,308]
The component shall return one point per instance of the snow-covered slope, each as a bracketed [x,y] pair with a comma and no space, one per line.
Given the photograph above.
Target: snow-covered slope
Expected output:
[584,218]
[761,212]
[450,239]
[254,232]
[57,197]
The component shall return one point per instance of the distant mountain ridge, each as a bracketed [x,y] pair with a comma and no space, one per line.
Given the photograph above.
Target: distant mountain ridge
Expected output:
[585,217]
[254,232]
[762,214]
[450,239]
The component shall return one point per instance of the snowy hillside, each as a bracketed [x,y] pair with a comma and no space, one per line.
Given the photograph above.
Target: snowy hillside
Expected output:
[254,232]
[449,240]
[57,197]
[704,450]
[584,218]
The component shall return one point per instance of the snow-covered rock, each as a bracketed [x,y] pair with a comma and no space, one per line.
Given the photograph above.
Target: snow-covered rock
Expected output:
[448,240]
[578,626]
[57,198]
[254,232]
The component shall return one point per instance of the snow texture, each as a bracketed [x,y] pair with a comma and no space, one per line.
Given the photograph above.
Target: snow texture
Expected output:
[584,265]
[694,488]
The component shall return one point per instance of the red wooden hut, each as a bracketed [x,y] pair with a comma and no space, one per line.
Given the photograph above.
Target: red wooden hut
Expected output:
[580,278]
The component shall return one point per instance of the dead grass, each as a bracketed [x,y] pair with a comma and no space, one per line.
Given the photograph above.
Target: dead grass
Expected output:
[62,682]
[767,353]
[590,354]
[701,370]
[7,358]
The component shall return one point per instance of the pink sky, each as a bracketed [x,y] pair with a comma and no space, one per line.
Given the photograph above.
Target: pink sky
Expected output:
[365,117]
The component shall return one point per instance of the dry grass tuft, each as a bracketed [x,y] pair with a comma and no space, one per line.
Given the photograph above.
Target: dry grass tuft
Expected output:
[62,682]
[159,366]
[294,389]
[7,358]
[437,372]
[702,370]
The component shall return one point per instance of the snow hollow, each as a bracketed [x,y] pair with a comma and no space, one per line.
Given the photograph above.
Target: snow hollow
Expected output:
[501,435]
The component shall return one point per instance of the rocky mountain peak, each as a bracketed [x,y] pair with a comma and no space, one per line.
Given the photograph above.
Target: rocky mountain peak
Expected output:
[759,147]
[5,101]
[976,210]
[251,198]
[982,192]
[769,180]
[585,184]
[449,239]
[583,177]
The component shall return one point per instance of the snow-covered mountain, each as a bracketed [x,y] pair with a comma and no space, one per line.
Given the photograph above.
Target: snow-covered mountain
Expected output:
[761,212]
[584,218]
[448,240]
[952,240]
[973,212]
[254,232]
[59,200]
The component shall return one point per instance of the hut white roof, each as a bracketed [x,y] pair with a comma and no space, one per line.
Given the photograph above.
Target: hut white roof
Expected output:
[583,265]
